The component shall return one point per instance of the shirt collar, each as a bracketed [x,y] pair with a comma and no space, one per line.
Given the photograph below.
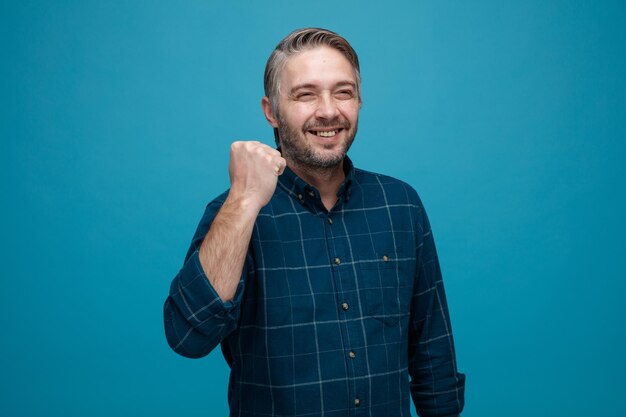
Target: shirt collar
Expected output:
[302,191]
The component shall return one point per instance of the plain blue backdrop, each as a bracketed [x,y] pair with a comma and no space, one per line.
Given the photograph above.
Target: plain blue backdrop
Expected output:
[508,117]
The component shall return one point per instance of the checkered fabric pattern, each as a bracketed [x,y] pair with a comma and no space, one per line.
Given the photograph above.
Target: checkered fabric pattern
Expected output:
[338,313]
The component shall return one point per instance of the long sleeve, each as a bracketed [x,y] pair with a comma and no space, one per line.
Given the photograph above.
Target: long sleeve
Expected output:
[196,319]
[437,388]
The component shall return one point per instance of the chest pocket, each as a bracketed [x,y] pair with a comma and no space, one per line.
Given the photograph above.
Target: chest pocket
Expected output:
[386,284]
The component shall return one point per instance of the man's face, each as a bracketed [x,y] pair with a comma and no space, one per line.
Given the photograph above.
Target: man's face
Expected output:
[318,108]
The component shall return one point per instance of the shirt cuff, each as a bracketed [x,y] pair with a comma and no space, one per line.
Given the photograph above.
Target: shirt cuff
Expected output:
[447,399]
[196,298]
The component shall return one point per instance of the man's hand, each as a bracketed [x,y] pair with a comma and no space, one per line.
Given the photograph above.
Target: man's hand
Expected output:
[254,169]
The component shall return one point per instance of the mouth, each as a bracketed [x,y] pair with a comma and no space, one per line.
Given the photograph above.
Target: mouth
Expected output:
[327,133]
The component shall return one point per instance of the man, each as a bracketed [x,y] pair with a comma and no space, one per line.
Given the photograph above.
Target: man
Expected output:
[319,280]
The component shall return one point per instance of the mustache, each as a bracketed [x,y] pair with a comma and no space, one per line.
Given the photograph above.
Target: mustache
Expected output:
[321,124]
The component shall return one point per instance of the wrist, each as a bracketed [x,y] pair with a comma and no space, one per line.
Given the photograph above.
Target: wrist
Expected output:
[242,204]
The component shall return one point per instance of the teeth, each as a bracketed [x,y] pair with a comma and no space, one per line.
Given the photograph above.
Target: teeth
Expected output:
[327,134]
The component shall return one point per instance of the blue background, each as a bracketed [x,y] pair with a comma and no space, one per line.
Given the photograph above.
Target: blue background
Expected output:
[116,118]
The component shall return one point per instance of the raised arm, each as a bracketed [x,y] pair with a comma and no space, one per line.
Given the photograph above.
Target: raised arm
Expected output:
[203,305]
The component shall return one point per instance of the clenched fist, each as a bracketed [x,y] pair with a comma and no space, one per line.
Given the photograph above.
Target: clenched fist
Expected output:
[254,169]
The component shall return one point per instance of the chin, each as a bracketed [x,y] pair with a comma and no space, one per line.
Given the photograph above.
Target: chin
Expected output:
[327,159]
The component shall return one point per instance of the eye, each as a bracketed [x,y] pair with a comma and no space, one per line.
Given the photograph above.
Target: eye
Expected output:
[344,94]
[305,96]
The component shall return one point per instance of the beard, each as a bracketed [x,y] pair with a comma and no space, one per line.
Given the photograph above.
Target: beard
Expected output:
[295,146]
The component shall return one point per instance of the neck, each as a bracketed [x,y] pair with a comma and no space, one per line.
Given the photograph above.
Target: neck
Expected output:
[326,180]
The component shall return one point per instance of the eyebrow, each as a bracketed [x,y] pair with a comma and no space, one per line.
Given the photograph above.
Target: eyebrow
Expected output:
[314,86]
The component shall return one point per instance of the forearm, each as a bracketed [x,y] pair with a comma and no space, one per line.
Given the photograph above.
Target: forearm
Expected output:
[436,385]
[223,250]
[196,318]
[253,169]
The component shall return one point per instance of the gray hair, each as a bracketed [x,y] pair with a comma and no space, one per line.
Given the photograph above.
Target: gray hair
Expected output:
[298,41]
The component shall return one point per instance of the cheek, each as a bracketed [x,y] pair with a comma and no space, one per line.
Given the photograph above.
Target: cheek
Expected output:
[302,115]
[350,111]
[301,111]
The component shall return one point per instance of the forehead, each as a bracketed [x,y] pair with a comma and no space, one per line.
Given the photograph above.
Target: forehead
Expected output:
[321,66]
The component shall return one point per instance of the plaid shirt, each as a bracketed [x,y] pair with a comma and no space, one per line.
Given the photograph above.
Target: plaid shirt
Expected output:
[334,310]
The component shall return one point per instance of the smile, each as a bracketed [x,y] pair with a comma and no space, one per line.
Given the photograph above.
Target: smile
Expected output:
[325,133]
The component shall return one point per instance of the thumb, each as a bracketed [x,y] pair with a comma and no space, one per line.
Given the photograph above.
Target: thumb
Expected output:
[280,168]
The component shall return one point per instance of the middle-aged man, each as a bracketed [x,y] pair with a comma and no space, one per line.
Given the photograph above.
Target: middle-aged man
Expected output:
[320,280]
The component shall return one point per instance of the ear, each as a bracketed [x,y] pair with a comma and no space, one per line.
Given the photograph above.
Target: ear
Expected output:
[267,111]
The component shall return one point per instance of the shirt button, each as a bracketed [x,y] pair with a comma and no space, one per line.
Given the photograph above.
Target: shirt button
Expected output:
[352,355]
[312,193]
[344,306]
[337,261]
[330,221]
[385,258]
[357,402]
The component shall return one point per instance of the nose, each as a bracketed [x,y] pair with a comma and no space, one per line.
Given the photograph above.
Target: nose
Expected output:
[326,107]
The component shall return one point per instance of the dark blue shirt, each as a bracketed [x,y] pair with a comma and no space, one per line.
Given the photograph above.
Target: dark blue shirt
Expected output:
[338,313]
